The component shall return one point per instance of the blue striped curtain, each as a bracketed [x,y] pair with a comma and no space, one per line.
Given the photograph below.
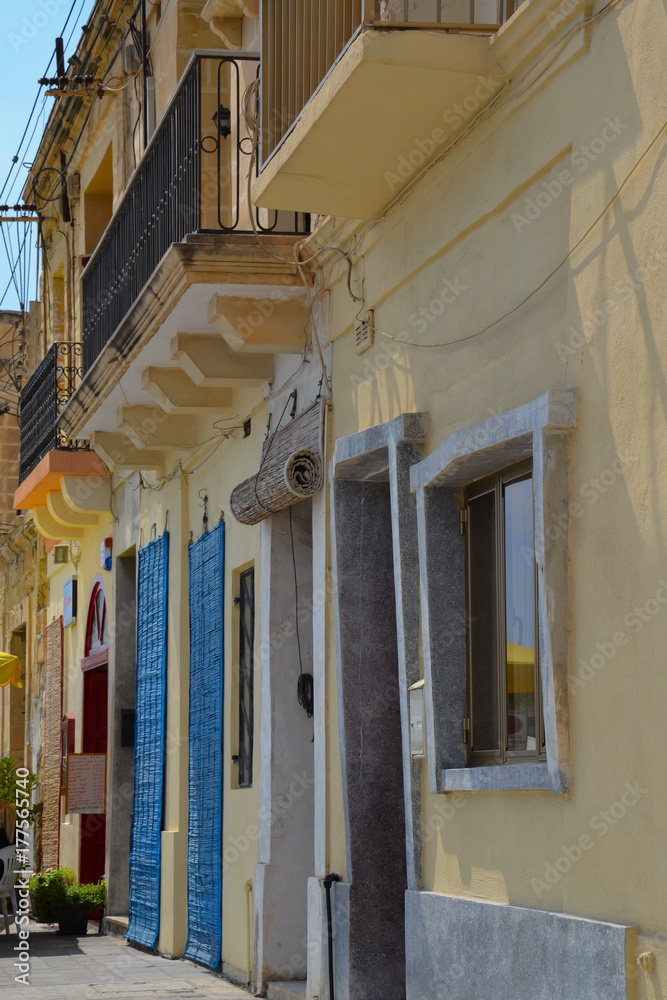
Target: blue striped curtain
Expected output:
[149,742]
[206,559]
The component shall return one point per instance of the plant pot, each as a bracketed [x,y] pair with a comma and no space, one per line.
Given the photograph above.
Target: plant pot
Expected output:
[74,920]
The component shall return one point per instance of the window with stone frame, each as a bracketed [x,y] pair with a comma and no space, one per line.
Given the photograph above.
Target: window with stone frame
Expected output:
[504,722]
[474,666]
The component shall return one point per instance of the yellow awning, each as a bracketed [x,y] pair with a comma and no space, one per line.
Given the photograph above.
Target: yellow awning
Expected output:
[10,670]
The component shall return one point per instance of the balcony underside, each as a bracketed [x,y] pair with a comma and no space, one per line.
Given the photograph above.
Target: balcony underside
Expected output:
[386,108]
[67,492]
[209,321]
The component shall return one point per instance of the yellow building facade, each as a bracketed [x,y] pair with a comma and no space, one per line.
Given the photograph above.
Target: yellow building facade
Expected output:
[504,287]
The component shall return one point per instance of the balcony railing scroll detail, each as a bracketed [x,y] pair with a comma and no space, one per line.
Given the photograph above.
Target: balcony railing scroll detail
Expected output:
[300,44]
[193,178]
[42,400]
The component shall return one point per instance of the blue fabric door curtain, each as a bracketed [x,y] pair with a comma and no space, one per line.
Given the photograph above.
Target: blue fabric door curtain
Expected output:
[206,559]
[149,741]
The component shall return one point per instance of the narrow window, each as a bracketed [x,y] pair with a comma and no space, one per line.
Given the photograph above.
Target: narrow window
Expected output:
[246,671]
[504,702]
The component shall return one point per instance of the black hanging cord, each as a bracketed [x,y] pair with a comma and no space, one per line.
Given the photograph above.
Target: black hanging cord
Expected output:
[304,688]
[327,882]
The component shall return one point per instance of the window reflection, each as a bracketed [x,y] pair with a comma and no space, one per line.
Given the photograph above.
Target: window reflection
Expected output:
[520,615]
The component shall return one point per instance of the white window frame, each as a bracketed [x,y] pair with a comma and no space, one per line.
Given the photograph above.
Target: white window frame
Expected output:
[538,430]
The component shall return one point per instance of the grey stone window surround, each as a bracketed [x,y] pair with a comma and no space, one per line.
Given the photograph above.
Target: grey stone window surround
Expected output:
[539,429]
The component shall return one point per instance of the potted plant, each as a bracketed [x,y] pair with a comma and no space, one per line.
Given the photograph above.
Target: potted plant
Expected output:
[58,897]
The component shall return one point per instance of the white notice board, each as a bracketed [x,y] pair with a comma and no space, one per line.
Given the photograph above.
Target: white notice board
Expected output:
[86,782]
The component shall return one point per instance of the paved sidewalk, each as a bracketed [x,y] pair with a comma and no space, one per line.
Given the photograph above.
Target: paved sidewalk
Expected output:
[94,967]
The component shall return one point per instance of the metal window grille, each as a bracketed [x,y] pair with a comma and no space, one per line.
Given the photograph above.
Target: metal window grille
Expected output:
[42,400]
[246,678]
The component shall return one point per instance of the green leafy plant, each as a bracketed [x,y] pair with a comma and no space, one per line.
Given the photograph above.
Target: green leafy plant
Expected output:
[90,893]
[56,890]
[11,785]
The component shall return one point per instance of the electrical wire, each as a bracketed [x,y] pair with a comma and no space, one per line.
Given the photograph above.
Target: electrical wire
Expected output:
[12,278]
[58,179]
[249,105]
[478,120]
[76,103]
[304,689]
[16,264]
[16,158]
[551,274]
[473,126]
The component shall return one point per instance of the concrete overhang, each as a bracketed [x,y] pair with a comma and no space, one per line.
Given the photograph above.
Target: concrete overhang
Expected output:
[47,476]
[66,492]
[392,100]
[168,364]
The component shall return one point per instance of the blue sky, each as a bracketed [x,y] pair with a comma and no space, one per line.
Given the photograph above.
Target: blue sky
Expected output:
[27,42]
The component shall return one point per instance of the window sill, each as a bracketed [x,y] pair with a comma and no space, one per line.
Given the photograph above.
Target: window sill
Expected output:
[498,778]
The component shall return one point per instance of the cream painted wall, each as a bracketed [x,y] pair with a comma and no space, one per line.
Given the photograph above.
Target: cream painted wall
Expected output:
[462,248]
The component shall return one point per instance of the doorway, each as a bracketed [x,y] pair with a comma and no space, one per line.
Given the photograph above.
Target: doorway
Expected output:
[93,825]
[95,666]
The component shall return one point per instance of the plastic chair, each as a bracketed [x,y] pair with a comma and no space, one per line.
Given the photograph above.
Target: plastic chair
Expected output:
[10,867]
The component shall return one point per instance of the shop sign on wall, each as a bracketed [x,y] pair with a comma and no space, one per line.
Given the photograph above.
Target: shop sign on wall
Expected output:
[86,782]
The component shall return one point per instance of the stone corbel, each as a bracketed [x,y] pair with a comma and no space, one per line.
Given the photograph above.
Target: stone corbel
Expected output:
[229,30]
[225,18]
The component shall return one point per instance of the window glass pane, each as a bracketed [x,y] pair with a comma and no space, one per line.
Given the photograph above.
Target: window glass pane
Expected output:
[483,623]
[488,12]
[520,615]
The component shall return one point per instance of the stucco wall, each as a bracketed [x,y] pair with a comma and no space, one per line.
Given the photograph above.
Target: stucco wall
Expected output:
[496,269]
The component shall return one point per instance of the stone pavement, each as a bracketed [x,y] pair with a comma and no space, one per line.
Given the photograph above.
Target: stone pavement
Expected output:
[95,967]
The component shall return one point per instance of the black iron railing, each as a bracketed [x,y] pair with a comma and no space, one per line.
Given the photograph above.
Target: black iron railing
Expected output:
[42,399]
[192,179]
